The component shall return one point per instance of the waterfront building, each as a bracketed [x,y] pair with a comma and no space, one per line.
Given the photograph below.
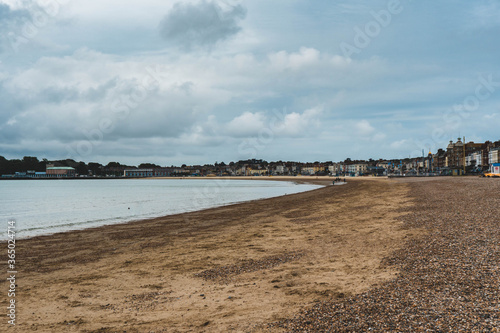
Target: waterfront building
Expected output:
[153,172]
[335,169]
[456,154]
[308,170]
[59,172]
[280,170]
[494,156]
[474,159]
[357,169]
[439,160]
[138,173]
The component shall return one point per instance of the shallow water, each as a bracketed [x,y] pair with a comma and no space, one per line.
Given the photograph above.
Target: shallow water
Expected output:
[49,206]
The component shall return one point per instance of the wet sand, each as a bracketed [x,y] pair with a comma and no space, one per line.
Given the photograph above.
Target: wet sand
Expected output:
[234,268]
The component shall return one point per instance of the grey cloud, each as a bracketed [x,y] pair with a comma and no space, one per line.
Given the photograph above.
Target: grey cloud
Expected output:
[167,115]
[9,16]
[204,24]
[11,21]
[68,113]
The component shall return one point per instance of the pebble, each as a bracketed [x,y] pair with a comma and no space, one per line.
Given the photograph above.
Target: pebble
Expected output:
[224,273]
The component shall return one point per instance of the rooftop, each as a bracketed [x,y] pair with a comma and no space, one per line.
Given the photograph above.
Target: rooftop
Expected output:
[60,168]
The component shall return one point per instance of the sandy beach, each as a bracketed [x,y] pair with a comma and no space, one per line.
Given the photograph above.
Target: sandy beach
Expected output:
[276,264]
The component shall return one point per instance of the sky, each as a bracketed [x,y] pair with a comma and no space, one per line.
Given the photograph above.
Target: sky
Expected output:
[204,81]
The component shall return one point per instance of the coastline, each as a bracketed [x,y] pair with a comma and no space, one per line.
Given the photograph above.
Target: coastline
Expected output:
[315,245]
[196,204]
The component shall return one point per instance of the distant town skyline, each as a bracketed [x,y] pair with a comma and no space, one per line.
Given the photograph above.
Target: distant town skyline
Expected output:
[200,81]
[457,158]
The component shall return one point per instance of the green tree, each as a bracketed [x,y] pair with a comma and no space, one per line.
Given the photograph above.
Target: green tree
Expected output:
[82,169]
[95,168]
[148,166]
[113,165]
[30,163]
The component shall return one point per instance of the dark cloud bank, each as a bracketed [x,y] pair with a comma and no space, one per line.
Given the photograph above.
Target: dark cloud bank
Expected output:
[201,25]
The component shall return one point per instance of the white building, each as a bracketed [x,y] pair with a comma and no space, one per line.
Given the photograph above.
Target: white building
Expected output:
[383,164]
[475,159]
[280,169]
[335,169]
[494,155]
[307,171]
[357,169]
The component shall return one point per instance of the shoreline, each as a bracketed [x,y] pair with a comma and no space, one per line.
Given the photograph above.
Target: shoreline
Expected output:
[142,276]
[317,181]
[275,178]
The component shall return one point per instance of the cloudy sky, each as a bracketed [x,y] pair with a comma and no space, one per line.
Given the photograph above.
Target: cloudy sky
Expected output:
[221,80]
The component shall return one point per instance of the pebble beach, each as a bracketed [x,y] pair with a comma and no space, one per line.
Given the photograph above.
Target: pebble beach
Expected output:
[448,281]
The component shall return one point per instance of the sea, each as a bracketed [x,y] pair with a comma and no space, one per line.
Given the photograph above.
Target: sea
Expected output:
[40,207]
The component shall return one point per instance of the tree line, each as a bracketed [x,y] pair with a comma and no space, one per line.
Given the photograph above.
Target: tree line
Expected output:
[27,163]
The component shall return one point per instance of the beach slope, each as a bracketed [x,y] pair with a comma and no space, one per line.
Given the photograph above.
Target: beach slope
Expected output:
[237,267]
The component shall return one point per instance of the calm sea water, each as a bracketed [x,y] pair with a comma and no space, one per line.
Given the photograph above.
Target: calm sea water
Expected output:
[49,206]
